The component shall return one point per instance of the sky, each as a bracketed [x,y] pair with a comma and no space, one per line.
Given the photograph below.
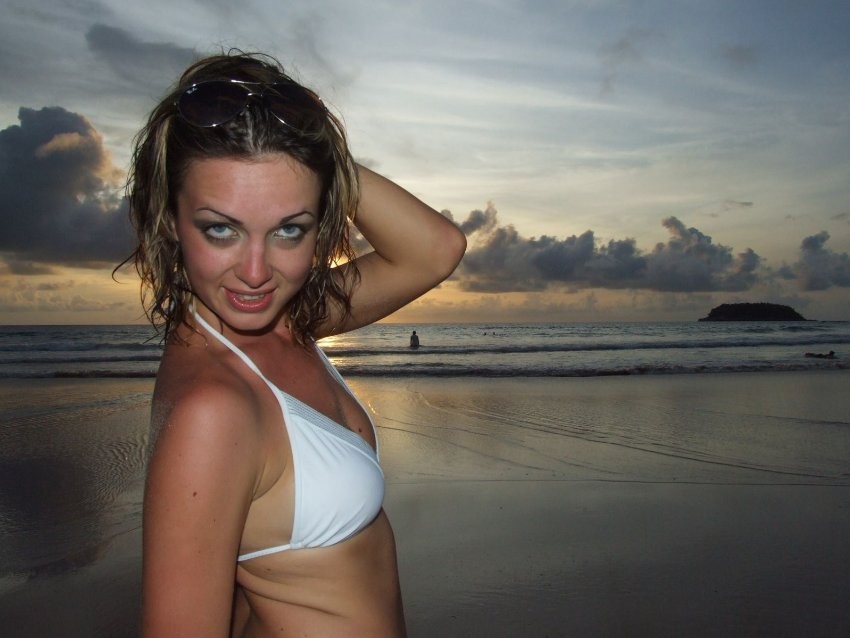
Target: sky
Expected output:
[609,160]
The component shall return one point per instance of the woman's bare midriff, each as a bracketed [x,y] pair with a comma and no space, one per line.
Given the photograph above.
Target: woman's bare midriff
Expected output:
[350,589]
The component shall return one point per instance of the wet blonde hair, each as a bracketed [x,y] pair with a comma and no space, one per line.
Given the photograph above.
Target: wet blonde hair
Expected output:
[167,145]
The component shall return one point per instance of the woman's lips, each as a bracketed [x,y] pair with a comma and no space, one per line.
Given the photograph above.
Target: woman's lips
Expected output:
[249,302]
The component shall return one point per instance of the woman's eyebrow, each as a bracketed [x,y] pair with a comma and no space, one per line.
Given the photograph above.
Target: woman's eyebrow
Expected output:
[237,222]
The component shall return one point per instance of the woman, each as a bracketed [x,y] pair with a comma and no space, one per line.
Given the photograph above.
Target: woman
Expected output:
[262,513]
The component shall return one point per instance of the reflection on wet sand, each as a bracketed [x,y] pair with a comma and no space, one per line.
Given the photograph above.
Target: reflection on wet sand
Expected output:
[62,465]
[71,471]
[51,520]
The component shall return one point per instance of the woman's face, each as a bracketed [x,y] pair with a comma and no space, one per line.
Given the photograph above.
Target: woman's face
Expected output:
[247,230]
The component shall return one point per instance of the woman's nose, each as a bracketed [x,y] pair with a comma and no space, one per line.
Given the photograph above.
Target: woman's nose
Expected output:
[253,268]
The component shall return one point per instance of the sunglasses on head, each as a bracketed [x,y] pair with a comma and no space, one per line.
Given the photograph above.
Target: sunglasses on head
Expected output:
[214,102]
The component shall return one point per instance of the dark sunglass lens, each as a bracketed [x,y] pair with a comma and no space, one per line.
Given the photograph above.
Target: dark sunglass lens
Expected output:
[212,103]
[293,105]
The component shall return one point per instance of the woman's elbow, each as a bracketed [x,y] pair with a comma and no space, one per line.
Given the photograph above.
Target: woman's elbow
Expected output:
[450,250]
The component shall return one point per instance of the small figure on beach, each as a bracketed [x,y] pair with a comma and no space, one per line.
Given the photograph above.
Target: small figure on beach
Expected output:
[821,355]
[242,193]
[414,340]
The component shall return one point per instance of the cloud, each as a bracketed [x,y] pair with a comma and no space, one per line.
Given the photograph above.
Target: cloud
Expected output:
[11,265]
[60,194]
[740,56]
[500,259]
[478,220]
[22,296]
[55,285]
[146,67]
[731,204]
[306,36]
[690,262]
[625,52]
[820,268]
[503,263]
[727,205]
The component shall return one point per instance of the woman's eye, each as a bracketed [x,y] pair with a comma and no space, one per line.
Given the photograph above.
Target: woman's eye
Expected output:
[219,231]
[289,231]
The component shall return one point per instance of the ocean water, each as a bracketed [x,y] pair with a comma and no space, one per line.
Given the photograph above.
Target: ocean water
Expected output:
[483,350]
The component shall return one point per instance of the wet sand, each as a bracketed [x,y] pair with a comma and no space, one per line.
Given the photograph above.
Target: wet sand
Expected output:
[623,559]
[700,505]
[72,467]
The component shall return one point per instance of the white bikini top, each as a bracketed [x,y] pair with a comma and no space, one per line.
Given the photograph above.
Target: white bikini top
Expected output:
[339,483]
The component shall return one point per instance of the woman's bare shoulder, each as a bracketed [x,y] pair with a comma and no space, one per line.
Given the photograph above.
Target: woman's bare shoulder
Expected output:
[203,406]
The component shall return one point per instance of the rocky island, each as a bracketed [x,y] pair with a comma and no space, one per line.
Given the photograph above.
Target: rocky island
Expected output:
[753,312]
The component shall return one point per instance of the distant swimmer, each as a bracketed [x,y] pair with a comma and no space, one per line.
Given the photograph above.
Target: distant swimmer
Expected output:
[414,340]
[820,355]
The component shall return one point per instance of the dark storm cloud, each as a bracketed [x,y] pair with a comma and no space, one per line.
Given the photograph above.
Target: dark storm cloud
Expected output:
[60,194]
[501,260]
[145,66]
[504,262]
[691,262]
[478,220]
[820,268]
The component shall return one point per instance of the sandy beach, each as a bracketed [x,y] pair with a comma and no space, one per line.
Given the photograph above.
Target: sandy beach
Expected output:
[690,505]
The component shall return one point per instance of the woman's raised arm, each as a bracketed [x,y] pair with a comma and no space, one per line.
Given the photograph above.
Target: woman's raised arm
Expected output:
[415,248]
